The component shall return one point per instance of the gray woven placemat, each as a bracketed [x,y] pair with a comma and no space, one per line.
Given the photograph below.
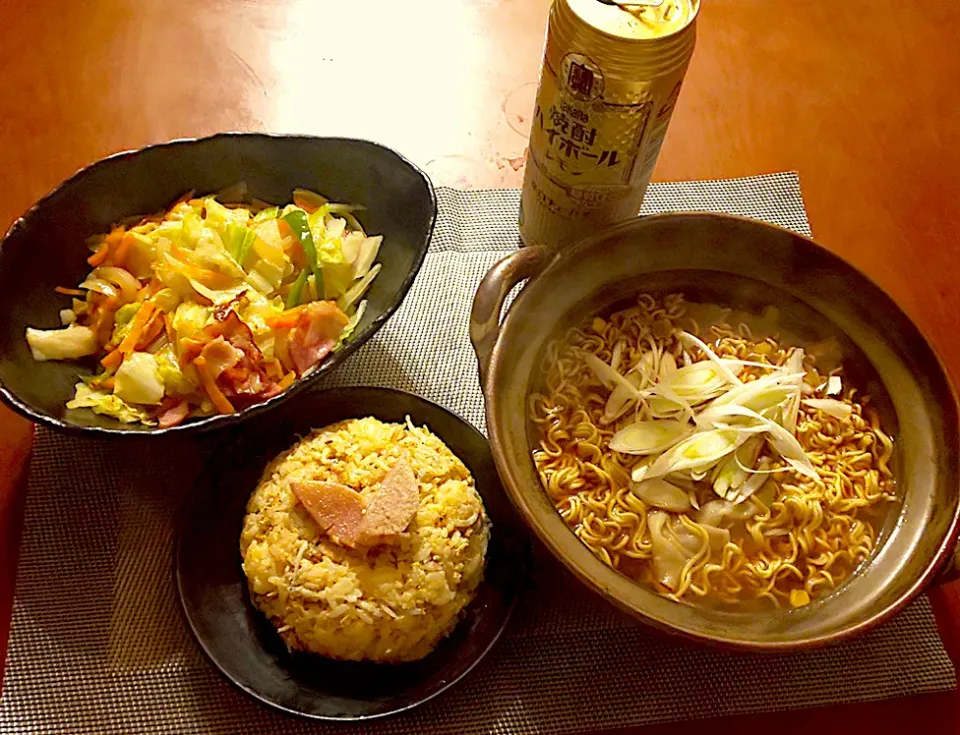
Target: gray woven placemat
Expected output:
[98,644]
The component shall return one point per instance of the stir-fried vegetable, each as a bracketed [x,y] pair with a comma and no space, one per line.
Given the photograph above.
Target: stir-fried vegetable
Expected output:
[107,403]
[62,344]
[212,306]
[297,221]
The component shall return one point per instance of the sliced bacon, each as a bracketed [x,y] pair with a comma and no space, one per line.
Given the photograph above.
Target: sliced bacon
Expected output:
[174,414]
[231,327]
[236,364]
[319,326]
[245,382]
[190,349]
[220,356]
[273,389]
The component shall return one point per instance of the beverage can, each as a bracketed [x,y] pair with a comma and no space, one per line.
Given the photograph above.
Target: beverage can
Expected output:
[609,83]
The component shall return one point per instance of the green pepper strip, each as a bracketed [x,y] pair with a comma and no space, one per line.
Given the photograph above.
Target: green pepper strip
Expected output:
[297,219]
[293,298]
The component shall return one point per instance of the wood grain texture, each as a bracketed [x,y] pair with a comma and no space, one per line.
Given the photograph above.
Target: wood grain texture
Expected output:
[859,97]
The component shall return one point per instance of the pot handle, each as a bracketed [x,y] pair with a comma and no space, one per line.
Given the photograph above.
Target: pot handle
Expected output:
[526,262]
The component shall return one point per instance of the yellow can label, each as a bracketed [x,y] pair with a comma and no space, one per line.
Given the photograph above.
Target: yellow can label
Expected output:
[594,149]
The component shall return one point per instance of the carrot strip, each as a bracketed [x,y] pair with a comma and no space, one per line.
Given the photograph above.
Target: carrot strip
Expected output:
[103,377]
[115,236]
[136,329]
[294,251]
[283,228]
[187,196]
[168,325]
[70,291]
[190,350]
[209,385]
[102,316]
[110,243]
[281,348]
[285,319]
[287,380]
[113,359]
[304,204]
[100,256]
[150,332]
[207,277]
[123,248]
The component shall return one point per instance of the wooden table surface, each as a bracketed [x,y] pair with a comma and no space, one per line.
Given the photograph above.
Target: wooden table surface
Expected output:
[859,97]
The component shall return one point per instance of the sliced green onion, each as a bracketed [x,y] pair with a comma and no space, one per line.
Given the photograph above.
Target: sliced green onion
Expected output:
[782,440]
[733,471]
[696,453]
[649,437]
[697,382]
[622,397]
[758,395]
[725,371]
[794,366]
[668,365]
[830,406]
[757,480]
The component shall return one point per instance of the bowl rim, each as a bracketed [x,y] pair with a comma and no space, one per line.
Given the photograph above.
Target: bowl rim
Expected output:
[522,570]
[222,421]
[593,572]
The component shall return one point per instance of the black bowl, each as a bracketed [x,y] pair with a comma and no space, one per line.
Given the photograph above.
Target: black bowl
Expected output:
[243,644]
[45,248]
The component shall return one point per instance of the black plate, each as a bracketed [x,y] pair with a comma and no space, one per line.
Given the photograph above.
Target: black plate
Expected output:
[243,644]
[45,248]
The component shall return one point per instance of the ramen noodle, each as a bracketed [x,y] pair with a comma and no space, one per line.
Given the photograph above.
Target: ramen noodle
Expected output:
[712,464]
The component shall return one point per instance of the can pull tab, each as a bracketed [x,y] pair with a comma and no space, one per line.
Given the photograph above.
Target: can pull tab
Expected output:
[634,3]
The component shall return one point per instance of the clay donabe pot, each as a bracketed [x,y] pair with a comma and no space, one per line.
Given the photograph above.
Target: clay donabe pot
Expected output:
[745,264]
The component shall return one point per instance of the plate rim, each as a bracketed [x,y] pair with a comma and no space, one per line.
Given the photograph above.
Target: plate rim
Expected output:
[522,569]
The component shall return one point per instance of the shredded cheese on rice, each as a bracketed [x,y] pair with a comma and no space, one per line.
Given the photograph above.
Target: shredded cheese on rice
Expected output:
[391,602]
